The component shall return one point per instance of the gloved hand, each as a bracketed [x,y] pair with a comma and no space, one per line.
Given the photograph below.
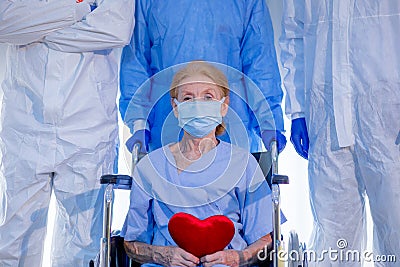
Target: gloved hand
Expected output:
[93,7]
[270,135]
[140,136]
[299,137]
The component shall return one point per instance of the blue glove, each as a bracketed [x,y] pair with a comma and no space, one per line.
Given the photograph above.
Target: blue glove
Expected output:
[93,6]
[142,137]
[299,137]
[271,135]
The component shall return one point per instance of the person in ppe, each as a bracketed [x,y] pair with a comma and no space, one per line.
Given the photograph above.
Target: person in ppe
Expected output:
[199,175]
[342,84]
[235,33]
[58,124]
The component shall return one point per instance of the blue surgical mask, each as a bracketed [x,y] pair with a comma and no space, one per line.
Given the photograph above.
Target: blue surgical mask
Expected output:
[199,118]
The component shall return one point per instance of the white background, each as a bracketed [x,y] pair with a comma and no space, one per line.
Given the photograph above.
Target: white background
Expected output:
[294,197]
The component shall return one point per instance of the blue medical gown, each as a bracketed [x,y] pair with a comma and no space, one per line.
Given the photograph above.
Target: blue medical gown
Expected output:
[207,187]
[169,32]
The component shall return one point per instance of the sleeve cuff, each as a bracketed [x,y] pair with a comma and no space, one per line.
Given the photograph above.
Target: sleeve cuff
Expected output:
[297,115]
[139,125]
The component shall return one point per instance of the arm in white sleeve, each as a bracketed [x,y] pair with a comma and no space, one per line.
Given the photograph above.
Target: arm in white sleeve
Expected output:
[292,56]
[110,25]
[27,21]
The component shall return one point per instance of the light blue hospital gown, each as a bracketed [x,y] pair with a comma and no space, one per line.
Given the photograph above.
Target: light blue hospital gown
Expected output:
[227,180]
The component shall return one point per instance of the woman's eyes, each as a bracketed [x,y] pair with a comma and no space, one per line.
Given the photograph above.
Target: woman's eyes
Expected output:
[206,97]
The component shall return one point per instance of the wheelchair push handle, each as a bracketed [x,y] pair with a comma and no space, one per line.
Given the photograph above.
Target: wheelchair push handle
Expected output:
[276,178]
[136,156]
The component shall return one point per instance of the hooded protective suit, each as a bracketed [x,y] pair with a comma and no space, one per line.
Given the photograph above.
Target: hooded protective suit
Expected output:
[235,33]
[342,75]
[59,124]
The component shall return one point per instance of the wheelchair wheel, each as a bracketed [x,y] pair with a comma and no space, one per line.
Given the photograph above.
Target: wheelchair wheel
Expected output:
[119,258]
[296,251]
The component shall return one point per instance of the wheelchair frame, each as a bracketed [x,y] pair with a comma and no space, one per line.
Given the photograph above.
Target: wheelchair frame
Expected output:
[117,181]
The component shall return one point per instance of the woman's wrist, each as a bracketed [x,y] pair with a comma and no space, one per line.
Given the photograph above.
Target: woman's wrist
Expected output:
[160,255]
[145,253]
[247,257]
[251,253]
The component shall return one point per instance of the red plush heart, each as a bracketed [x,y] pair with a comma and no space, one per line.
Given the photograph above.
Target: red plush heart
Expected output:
[201,237]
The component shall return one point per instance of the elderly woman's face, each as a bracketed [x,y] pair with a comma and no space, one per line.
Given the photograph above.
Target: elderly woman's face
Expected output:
[200,108]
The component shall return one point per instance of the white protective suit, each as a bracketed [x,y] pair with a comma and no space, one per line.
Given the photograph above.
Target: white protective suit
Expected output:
[59,124]
[342,74]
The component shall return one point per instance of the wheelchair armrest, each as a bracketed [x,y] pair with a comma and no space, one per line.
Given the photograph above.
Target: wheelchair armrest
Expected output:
[116,179]
[279,179]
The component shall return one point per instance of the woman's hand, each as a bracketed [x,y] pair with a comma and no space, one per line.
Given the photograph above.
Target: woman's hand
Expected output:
[175,256]
[230,257]
[235,258]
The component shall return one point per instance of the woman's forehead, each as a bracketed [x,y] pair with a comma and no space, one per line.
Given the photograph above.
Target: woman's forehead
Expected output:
[198,86]
[198,78]
[199,83]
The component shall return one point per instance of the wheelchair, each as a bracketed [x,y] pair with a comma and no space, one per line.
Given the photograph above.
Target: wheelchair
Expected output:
[112,252]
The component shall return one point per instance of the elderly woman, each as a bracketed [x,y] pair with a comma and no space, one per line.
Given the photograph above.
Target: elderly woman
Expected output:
[199,175]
